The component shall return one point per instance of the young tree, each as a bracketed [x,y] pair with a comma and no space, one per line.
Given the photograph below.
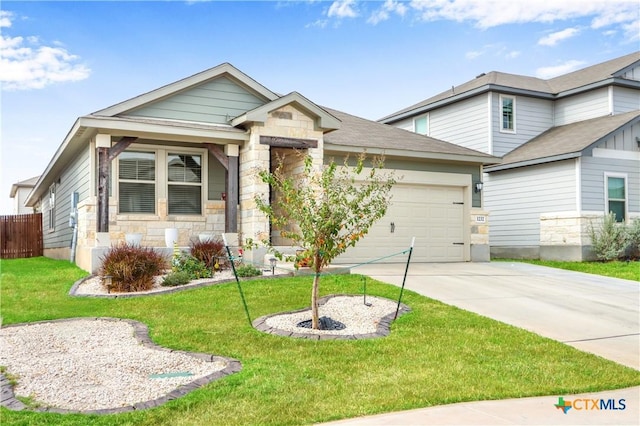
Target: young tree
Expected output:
[326,211]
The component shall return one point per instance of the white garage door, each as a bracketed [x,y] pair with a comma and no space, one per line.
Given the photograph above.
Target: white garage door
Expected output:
[434,215]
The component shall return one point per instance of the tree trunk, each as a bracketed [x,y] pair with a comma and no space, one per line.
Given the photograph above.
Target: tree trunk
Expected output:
[315,322]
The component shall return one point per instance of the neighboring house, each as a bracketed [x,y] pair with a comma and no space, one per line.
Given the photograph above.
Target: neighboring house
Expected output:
[570,149]
[185,156]
[19,192]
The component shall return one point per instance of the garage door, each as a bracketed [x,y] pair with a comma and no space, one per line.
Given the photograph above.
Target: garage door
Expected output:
[434,215]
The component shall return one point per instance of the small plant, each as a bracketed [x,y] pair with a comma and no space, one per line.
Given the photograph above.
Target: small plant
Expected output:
[632,250]
[188,264]
[176,278]
[132,268]
[211,252]
[245,270]
[609,240]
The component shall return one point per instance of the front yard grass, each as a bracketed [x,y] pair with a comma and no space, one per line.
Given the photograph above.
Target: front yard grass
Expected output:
[616,269]
[436,354]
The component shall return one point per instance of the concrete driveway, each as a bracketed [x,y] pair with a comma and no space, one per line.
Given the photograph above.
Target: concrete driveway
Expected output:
[592,313]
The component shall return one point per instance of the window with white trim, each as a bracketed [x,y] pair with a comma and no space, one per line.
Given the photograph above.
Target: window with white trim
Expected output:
[507,113]
[52,207]
[184,172]
[421,125]
[616,196]
[137,182]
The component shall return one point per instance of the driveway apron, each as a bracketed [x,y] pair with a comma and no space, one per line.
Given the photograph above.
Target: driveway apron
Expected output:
[592,313]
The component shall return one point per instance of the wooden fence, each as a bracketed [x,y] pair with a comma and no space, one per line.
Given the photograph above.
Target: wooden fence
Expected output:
[21,236]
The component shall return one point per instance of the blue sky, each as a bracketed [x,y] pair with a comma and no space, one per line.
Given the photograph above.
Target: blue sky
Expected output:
[60,60]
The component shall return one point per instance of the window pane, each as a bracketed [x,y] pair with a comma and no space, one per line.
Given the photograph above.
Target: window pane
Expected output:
[185,168]
[617,207]
[615,187]
[137,197]
[185,199]
[137,165]
[420,125]
[507,113]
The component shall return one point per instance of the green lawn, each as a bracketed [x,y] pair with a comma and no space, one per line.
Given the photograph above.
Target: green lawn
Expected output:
[436,354]
[615,269]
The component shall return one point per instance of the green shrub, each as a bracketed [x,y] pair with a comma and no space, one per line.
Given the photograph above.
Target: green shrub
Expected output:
[245,270]
[176,278]
[195,268]
[132,268]
[632,250]
[609,240]
[211,252]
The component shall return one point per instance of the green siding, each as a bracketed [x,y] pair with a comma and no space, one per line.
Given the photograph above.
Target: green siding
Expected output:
[213,102]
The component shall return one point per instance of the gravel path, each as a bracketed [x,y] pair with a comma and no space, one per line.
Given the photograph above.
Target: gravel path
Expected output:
[101,364]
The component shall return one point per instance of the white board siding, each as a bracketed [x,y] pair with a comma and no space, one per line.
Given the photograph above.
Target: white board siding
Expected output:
[624,140]
[593,185]
[464,123]
[406,124]
[584,106]
[516,198]
[76,177]
[532,117]
[632,74]
[625,100]
[214,102]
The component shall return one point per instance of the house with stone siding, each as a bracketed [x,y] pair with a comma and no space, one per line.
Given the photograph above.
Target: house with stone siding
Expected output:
[569,145]
[183,159]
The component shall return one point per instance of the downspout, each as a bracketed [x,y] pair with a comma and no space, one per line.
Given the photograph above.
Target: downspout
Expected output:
[73,222]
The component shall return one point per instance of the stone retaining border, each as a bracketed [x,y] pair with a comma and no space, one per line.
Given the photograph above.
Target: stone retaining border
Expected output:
[166,290]
[141,332]
[383,329]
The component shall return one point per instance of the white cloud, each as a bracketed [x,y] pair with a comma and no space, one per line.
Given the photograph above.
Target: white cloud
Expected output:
[554,71]
[389,6]
[31,65]
[342,9]
[473,54]
[553,38]
[491,13]
[5,18]
[513,54]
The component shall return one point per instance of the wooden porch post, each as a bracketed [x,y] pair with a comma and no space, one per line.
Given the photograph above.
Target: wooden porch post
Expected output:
[229,160]
[106,154]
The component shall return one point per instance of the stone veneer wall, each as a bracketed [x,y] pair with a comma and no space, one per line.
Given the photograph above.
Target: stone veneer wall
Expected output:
[479,236]
[285,122]
[91,246]
[565,235]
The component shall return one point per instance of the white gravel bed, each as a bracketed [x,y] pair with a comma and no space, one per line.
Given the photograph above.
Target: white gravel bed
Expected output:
[94,286]
[92,364]
[357,317]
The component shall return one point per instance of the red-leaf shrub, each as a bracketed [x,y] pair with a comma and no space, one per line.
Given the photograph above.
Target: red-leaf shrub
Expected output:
[132,268]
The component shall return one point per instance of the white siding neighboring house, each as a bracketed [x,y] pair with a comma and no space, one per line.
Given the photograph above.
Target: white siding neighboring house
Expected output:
[570,149]
[19,192]
[185,156]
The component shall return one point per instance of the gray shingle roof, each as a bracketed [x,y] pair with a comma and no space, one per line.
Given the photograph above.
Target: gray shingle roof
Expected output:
[551,87]
[367,134]
[568,139]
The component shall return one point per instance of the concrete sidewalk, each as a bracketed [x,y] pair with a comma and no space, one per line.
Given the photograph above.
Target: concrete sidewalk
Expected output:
[519,411]
[592,313]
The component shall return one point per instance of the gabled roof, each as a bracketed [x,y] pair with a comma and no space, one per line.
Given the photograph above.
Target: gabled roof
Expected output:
[225,69]
[27,183]
[567,84]
[568,141]
[358,133]
[324,119]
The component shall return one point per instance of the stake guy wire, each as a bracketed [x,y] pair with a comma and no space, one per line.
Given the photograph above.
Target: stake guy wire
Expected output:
[409,250]
[233,266]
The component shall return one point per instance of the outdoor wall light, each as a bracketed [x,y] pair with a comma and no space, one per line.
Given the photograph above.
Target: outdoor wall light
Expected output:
[272,262]
[478,187]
